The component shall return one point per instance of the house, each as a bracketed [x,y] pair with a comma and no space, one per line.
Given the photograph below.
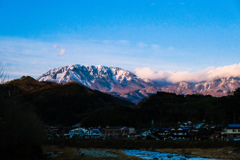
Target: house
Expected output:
[118,132]
[162,133]
[147,134]
[231,132]
[77,133]
[85,133]
[180,133]
[95,133]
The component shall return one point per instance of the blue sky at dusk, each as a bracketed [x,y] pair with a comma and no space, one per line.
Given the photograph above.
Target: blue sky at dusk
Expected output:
[152,38]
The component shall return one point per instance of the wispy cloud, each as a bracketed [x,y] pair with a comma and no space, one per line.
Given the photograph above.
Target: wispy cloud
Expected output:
[35,57]
[123,42]
[207,74]
[55,46]
[155,46]
[62,52]
[107,41]
[142,45]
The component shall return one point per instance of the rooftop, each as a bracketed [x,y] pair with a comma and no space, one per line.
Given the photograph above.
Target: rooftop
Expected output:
[233,126]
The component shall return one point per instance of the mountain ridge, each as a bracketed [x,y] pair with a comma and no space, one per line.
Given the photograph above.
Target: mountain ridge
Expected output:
[111,80]
[216,87]
[125,84]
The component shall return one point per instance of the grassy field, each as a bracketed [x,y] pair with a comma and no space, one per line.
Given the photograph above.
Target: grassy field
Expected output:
[205,149]
[139,144]
[70,153]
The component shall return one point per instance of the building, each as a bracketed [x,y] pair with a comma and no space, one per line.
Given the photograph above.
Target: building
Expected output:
[162,133]
[180,133]
[118,132]
[78,133]
[231,132]
[95,133]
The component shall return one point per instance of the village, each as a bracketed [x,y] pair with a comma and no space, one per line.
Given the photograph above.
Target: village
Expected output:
[185,131]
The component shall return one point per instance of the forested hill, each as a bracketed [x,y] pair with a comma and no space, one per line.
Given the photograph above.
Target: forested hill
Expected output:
[71,103]
[166,109]
[56,103]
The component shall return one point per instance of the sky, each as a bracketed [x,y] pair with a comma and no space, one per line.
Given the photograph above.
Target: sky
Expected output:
[177,40]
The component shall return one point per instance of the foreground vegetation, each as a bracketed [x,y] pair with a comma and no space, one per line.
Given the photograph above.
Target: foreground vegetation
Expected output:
[139,144]
[27,105]
[70,153]
[222,150]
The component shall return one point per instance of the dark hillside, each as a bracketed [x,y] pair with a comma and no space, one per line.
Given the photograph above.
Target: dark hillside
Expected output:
[113,116]
[166,109]
[71,103]
[56,103]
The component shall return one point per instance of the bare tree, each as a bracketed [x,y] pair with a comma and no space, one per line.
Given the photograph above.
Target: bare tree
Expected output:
[3,75]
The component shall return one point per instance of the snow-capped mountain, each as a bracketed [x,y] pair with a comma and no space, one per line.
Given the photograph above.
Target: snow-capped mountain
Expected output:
[217,87]
[106,79]
[127,85]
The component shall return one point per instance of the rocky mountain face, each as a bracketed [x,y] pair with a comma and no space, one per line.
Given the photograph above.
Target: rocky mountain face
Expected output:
[217,87]
[125,84]
[111,80]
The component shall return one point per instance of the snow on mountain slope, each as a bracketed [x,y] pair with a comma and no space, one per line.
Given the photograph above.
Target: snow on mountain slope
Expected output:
[102,78]
[125,84]
[217,87]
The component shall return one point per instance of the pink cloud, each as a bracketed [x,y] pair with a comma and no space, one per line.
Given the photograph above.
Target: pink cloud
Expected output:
[62,52]
[209,73]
